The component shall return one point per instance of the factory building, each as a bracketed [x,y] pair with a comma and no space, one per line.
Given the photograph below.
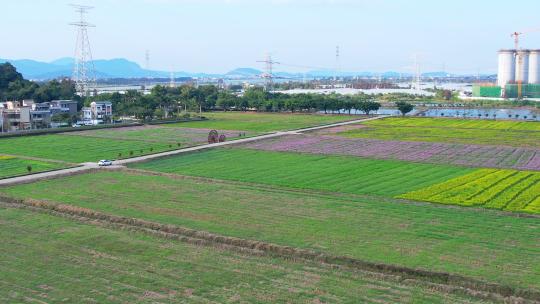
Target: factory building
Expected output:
[518,76]
[534,67]
[507,67]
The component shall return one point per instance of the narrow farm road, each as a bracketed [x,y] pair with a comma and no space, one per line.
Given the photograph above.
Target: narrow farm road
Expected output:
[92,166]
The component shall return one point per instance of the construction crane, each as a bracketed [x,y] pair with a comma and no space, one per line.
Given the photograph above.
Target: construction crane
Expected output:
[516,36]
[519,58]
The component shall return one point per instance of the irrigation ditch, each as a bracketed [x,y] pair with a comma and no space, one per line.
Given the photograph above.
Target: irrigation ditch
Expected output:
[440,281]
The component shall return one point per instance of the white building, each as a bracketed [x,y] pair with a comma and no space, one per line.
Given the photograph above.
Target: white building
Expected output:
[98,112]
[101,109]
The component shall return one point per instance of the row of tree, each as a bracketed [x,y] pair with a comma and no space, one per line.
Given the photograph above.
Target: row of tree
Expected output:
[166,102]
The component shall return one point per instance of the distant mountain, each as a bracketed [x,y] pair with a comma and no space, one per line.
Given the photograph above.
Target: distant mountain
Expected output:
[64,61]
[244,72]
[123,68]
[330,73]
[31,68]
[63,67]
[437,74]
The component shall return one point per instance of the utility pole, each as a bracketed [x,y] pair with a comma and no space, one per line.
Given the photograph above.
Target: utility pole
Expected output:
[336,71]
[171,81]
[147,67]
[147,60]
[417,76]
[84,74]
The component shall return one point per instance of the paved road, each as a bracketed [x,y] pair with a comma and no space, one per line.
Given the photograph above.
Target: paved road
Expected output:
[91,166]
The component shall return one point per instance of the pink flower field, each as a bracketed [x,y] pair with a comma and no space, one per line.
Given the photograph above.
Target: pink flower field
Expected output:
[440,153]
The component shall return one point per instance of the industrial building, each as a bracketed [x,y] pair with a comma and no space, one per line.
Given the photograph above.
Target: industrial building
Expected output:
[518,76]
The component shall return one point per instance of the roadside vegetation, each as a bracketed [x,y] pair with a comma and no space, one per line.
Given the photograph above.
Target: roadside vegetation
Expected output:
[13,166]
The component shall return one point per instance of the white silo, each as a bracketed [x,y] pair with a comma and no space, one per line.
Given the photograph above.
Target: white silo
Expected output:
[534,67]
[507,67]
[522,66]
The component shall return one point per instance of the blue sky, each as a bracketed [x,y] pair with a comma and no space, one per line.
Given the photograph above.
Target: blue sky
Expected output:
[219,35]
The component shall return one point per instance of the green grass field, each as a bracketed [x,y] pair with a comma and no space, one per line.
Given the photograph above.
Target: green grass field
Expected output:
[12,166]
[261,122]
[307,171]
[499,189]
[483,132]
[54,260]
[458,123]
[484,245]
[158,134]
[76,148]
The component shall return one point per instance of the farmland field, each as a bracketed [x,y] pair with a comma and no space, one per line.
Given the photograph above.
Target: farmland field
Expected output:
[429,152]
[483,245]
[482,132]
[77,149]
[460,123]
[397,192]
[331,173]
[54,260]
[90,146]
[499,189]
[261,122]
[13,166]
[158,134]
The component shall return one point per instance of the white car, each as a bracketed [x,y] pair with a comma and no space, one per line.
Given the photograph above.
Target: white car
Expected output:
[104,163]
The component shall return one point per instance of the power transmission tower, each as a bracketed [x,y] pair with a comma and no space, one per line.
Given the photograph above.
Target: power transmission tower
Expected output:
[172,83]
[416,81]
[268,76]
[147,67]
[147,60]
[84,73]
[336,72]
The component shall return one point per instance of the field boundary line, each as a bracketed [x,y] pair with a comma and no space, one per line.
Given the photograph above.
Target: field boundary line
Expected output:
[186,234]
